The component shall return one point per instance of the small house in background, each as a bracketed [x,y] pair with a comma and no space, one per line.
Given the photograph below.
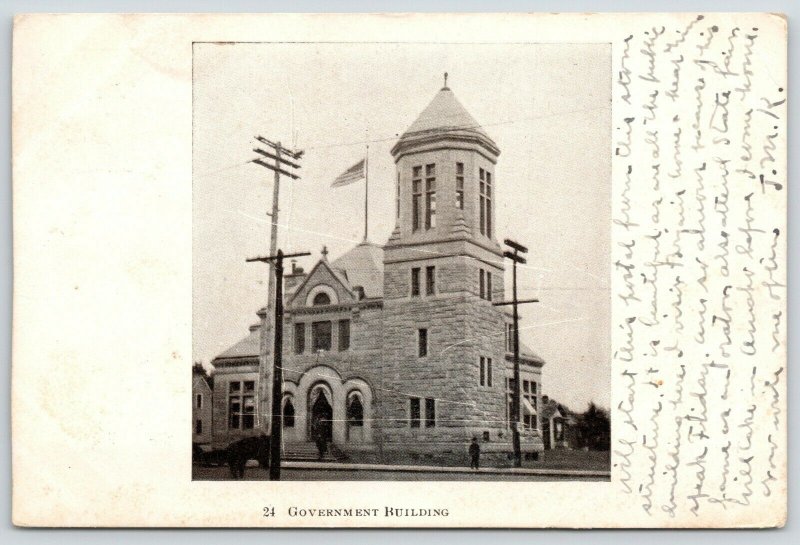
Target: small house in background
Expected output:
[201,408]
[557,425]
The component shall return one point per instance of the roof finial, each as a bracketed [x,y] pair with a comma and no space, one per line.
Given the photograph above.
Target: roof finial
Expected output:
[445,88]
[325,253]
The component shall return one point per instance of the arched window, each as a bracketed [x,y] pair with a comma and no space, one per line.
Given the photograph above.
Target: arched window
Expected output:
[288,413]
[355,411]
[321,298]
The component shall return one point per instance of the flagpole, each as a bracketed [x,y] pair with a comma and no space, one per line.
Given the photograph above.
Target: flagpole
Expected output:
[366,193]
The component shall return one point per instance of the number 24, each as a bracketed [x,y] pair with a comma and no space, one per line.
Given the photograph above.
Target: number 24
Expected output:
[269,511]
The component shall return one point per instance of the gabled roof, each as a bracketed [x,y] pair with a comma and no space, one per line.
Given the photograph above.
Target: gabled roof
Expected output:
[445,116]
[246,348]
[338,275]
[363,266]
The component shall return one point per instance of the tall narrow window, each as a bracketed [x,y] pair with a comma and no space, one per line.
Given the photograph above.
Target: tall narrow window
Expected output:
[489,204]
[414,412]
[430,412]
[422,343]
[510,337]
[430,196]
[489,372]
[321,336]
[355,412]
[485,186]
[482,380]
[299,338]
[488,286]
[482,192]
[415,282]
[481,283]
[198,427]
[416,197]
[344,335]
[198,401]
[397,197]
[430,280]
[529,396]
[460,185]
[234,405]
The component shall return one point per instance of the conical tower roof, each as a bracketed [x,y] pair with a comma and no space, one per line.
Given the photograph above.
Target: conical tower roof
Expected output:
[444,117]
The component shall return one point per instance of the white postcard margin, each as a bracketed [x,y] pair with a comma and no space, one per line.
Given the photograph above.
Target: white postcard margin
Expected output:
[102,267]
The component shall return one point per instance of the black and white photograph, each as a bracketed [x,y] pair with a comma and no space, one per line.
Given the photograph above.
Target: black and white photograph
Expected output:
[400,261]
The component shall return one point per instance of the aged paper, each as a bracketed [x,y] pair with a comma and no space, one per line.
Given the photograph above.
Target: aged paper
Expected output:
[640,157]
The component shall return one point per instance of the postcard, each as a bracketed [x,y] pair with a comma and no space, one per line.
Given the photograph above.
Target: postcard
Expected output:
[426,270]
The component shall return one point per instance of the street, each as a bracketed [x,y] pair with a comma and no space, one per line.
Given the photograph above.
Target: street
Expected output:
[255,473]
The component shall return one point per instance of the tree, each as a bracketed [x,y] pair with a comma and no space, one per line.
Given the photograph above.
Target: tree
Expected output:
[199,369]
[594,428]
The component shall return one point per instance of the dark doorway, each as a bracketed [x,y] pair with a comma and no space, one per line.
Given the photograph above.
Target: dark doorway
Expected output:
[321,418]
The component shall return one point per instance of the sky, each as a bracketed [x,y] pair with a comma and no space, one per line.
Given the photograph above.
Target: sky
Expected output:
[547,106]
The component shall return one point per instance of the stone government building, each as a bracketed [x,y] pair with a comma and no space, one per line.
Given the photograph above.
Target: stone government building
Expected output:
[398,347]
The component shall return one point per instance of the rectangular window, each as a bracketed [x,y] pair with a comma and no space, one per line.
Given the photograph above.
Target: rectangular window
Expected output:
[430,412]
[485,190]
[234,405]
[489,372]
[397,197]
[344,335]
[460,185]
[482,379]
[489,204]
[415,282]
[430,280]
[488,286]
[422,344]
[510,337]
[198,427]
[430,196]
[299,338]
[414,412]
[416,197]
[321,336]
[481,283]
[198,401]
[482,192]
[529,395]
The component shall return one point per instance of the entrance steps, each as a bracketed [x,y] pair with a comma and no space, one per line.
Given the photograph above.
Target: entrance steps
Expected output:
[306,451]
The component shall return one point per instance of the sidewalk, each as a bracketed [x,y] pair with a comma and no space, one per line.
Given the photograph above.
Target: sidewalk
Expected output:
[343,466]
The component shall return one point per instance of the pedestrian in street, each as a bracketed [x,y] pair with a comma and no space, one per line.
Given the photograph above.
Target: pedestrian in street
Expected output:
[475,454]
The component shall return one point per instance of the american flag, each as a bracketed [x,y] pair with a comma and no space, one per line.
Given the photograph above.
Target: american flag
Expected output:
[352,174]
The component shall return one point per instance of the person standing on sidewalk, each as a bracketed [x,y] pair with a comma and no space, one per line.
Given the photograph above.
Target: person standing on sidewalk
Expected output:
[474,454]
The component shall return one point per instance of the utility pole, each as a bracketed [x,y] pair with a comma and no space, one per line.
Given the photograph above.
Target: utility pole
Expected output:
[517,393]
[283,160]
[276,420]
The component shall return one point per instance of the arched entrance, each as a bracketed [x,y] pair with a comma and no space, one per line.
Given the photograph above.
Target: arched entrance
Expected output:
[321,421]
